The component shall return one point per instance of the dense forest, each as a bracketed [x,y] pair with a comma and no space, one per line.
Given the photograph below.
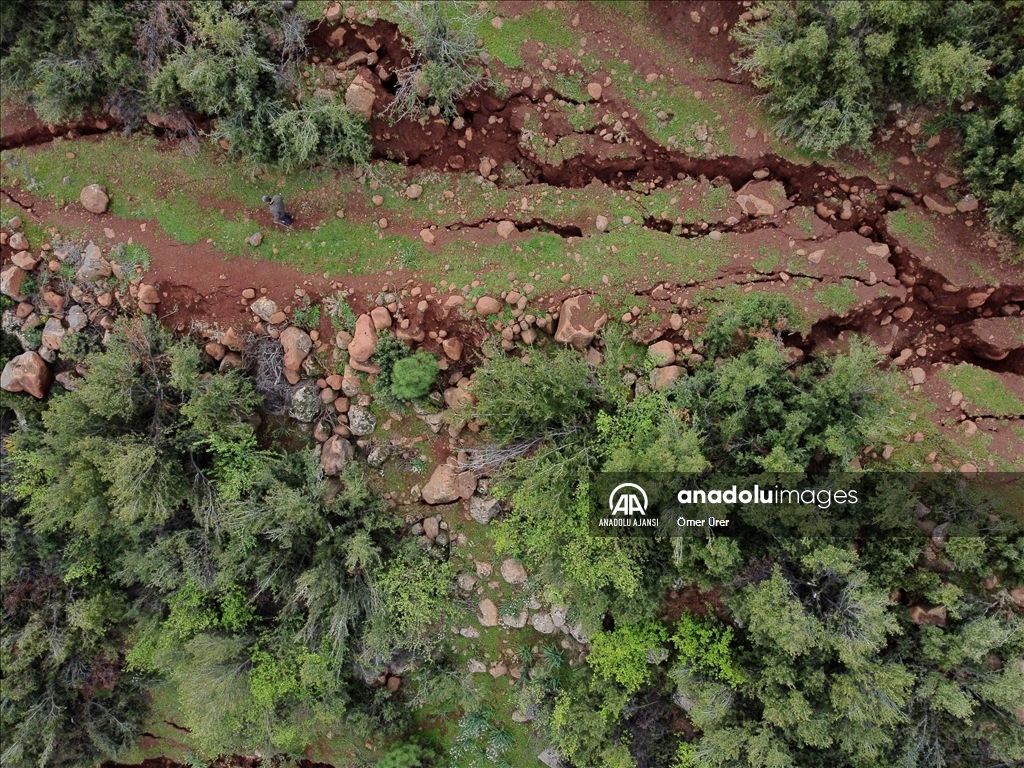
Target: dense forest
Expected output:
[156,528]
[173,541]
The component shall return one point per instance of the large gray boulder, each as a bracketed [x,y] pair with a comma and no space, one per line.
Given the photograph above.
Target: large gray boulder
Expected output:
[360,420]
[94,266]
[306,403]
[483,509]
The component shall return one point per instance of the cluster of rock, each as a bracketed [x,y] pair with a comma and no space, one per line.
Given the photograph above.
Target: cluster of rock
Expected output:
[527,611]
[62,289]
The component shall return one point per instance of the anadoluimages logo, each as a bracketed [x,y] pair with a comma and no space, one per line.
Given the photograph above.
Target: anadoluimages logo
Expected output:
[627,503]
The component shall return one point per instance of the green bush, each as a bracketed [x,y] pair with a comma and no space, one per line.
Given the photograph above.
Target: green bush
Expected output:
[413,376]
[523,397]
[831,69]
[737,324]
[234,62]
[443,40]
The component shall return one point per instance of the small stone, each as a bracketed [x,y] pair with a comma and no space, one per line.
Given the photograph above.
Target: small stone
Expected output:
[594,90]
[506,228]
[413,191]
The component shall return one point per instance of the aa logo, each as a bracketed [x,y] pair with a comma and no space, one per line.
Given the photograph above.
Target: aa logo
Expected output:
[629,499]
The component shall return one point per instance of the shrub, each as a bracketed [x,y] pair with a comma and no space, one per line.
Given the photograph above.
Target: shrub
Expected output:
[322,130]
[523,397]
[831,69]
[625,654]
[234,62]
[446,66]
[413,376]
[737,324]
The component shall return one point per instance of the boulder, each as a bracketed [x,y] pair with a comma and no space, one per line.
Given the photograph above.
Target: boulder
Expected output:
[360,97]
[488,305]
[381,318]
[483,509]
[364,341]
[232,339]
[930,617]
[513,571]
[594,90]
[413,191]
[77,319]
[542,623]
[458,398]
[662,353]
[53,333]
[336,451]
[18,242]
[506,228]
[452,348]
[759,199]
[934,204]
[297,345]
[216,350]
[148,294]
[360,420]
[601,222]
[52,299]
[264,308]
[578,322]
[305,404]
[25,260]
[333,12]
[515,622]
[11,280]
[664,377]
[465,484]
[431,527]
[94,198]
[27,372]
[94,266]
[442,488]
[488,614]
[350,383]
[1017,595]
[967,204]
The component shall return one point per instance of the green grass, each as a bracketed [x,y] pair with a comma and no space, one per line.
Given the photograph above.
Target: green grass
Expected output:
[683,109]
[916,229]
[836,298]
[770,258]
[983,390]
[131,255]
[190,198]
[538,25]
